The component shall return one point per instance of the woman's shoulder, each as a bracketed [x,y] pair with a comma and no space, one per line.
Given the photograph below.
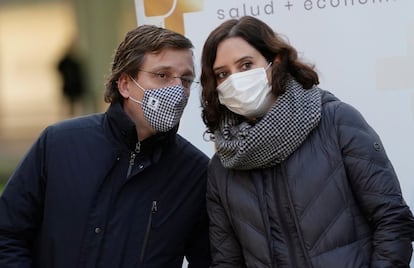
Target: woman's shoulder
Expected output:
[341,112]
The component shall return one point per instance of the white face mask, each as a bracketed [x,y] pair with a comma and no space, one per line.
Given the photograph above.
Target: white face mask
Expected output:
[247,93]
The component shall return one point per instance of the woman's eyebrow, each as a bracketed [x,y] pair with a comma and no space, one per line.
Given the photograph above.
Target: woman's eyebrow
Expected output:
[235,62]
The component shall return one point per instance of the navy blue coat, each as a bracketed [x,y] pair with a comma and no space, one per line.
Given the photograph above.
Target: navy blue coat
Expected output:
[83,197]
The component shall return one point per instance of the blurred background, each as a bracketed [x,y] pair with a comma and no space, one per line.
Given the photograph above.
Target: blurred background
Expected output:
[363,59]
[43,43]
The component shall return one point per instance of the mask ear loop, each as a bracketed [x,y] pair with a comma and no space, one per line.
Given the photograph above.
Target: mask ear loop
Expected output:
[267,67]
[138,85]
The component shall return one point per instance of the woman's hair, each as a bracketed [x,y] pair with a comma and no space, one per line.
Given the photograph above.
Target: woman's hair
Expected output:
[131,52]
[259,35]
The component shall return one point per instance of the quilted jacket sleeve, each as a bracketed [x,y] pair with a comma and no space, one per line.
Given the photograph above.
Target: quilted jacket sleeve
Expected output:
[225,249]
[376,188]
[21,209]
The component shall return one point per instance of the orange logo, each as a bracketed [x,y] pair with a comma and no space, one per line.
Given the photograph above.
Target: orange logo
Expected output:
[166,13]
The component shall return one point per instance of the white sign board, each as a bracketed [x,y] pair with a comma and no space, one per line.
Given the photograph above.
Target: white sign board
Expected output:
[362,49]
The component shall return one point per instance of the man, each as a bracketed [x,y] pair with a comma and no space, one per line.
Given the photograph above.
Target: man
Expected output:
[119,189]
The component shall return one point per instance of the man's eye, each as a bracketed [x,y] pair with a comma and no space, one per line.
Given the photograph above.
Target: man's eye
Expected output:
[162,75]
[186,79]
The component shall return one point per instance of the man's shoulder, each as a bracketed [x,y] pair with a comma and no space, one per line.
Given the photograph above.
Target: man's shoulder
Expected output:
[87,132]
[189,149]
[76,129]
[76,123]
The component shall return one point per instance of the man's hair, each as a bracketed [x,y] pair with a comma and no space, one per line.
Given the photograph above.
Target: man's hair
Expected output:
[131,52]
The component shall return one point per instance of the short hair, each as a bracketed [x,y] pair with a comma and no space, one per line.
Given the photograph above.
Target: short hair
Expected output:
[131,52]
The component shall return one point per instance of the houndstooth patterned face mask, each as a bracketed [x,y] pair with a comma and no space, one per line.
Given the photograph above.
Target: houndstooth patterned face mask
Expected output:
[162,107]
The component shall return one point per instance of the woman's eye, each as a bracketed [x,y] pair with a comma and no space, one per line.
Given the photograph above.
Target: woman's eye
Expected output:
[221,75]
[246,66]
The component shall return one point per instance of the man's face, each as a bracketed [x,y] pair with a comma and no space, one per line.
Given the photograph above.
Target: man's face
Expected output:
[169,67]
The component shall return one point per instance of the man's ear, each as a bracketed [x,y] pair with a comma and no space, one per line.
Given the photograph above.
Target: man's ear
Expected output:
[123,83]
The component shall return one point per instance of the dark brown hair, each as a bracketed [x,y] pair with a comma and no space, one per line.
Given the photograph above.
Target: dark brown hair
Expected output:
[259,35]
[130,54]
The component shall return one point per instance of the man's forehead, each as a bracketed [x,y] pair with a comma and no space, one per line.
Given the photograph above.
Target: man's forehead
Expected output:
[180,61]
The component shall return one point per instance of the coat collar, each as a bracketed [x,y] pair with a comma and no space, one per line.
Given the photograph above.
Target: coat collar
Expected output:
[124,130]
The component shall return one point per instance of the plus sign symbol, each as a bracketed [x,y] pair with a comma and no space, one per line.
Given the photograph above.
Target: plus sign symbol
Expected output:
[166,13]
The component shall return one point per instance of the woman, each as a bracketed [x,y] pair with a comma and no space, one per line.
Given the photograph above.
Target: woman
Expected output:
[299,178]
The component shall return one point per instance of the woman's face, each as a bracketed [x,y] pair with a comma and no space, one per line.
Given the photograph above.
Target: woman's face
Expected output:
[236,55]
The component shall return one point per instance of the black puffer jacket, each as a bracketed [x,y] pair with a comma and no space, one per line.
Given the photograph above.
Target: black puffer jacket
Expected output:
[335,202]
[84,197]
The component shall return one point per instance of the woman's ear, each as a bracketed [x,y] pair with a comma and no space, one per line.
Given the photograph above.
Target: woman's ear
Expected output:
[123,83]
[277,60]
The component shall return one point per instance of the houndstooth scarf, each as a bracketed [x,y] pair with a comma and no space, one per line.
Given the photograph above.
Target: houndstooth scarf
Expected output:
[242,145]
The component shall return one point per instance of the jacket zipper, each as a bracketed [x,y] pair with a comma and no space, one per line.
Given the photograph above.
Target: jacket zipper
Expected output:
[154,209]
[132,157]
